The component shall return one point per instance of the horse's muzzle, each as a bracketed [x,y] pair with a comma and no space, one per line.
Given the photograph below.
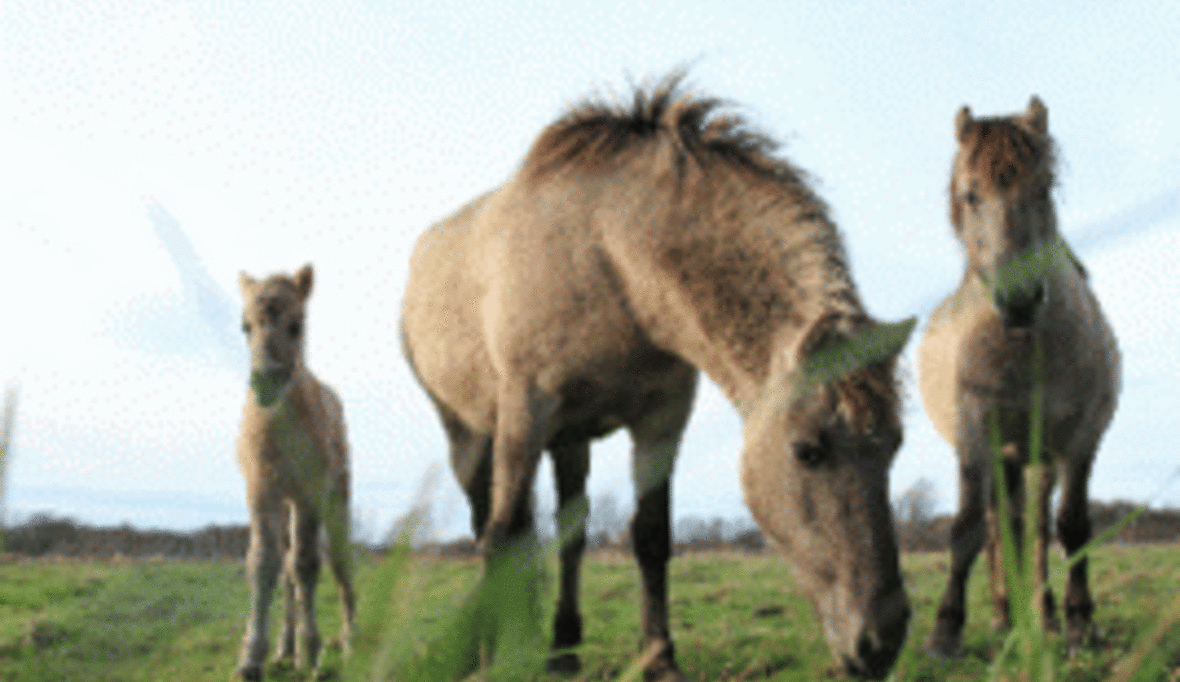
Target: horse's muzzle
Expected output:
[1018,308]
[878,646]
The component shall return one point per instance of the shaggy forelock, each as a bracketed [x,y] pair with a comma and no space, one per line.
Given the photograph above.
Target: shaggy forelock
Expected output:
[1004,154]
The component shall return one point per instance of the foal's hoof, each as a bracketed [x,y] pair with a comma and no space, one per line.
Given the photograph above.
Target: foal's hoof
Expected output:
[250,673]
[565,663]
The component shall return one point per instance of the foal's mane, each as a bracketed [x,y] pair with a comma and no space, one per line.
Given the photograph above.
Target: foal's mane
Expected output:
[594,133]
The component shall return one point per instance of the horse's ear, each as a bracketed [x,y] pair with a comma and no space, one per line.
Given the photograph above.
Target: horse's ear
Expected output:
[823,331]
[246,282]
[303,280]
[962,122]
[1036,116]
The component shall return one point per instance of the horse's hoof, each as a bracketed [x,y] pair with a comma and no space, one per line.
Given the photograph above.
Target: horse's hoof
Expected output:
[943,646]
[1078,639]
[565,664]
[671,675]
[250,673]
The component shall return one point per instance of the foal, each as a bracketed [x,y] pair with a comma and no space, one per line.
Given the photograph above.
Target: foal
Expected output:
[294,456]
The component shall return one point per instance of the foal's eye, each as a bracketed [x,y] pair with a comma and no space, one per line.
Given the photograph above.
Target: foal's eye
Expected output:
[245,326]
[971,198]
[296,328]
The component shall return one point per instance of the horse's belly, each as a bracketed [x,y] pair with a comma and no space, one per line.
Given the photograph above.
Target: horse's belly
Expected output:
[938,361]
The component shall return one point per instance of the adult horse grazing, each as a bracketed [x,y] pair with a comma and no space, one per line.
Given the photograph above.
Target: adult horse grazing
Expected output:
[1023,290]
[294,456]
[634,246]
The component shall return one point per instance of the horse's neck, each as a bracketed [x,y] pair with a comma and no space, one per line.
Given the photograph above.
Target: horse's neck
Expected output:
[733,302]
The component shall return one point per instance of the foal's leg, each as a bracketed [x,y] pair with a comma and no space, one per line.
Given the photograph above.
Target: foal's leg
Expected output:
[285,654]
[571,465]
[263,563]
[1073,529]
[656,442]
[340,555]
[304,559]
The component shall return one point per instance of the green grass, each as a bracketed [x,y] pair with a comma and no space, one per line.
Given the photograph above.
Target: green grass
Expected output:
[733,617]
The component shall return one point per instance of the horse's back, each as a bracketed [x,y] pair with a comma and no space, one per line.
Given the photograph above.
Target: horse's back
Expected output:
[441,326]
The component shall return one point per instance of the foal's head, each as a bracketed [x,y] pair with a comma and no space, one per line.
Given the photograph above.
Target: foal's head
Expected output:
[272,319]
[1001,208]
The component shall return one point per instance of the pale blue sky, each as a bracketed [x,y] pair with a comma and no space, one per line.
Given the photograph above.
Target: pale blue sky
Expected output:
[277,133]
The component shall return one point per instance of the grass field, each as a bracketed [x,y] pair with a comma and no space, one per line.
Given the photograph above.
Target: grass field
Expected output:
[734,617]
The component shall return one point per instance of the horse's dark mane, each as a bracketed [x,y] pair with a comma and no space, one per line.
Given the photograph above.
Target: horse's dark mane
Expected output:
[595,132]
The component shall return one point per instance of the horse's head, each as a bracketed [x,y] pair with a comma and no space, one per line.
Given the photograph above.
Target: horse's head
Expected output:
[272,319]
[818,448]
[1001,208]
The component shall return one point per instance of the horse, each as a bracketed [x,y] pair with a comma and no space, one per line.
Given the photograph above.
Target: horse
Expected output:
[1024,295]
[294,457]
[637,245]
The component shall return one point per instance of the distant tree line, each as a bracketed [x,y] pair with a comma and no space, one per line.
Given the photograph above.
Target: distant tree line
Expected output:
[919,529]
[46,535]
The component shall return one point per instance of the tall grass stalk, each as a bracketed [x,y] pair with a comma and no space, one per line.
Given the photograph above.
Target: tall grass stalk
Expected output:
[6,429]
[1037,660]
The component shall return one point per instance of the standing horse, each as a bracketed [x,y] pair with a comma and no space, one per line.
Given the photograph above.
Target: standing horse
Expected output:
[1022,288]
[294,457]
[634,246]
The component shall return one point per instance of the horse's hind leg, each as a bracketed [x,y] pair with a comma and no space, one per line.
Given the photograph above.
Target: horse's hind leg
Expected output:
[1043,591]
[571,465]
[994,547]
[1001,616]
[1073,529]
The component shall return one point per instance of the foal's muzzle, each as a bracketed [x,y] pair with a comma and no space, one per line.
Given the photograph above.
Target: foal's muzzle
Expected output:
[268,384]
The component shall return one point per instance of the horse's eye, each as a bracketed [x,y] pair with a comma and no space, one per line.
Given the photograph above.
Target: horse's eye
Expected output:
[811,453]
[808,453]
[296,328]
[245,326]
[971,198]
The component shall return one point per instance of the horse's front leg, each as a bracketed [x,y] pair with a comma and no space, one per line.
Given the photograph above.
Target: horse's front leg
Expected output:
[263,563]
[967,538]
[1073,529]
[571,465]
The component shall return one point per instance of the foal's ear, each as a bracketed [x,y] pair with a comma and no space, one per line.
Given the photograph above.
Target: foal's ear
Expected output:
[1036,117]
[303,280]
[246,283]
[962,122]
